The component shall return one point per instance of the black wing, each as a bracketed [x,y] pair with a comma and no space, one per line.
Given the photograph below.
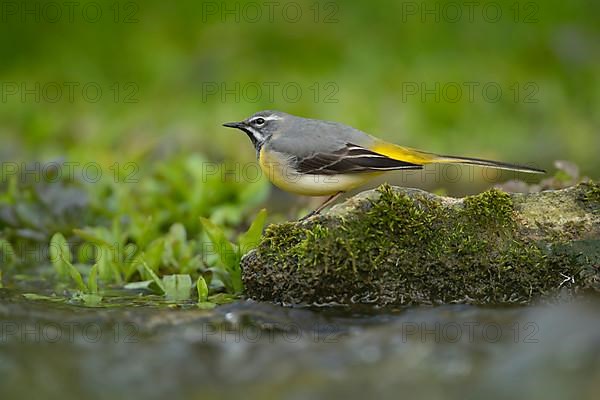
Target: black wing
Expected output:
[350,159]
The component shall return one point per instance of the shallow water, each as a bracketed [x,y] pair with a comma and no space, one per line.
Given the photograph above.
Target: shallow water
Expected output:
[257,350]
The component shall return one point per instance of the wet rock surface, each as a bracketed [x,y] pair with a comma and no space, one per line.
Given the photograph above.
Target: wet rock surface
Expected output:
[398,246]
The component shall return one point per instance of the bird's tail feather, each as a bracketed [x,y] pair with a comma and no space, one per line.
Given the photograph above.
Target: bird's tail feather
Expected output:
[421,157]
[485,163]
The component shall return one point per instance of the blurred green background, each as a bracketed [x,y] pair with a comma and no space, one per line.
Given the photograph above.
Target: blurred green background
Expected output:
[170,74]
[140,90]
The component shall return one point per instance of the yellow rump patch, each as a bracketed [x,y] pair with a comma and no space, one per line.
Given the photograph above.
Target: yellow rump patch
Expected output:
[403,153]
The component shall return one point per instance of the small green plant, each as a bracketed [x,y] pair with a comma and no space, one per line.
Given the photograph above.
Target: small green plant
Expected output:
[146,268]
[177,287]
[229,254]
[62,260]
[202,288]
[145,237]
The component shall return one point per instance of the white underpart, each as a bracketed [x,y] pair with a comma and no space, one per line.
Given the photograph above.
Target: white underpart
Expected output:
[278,168]
[319,185]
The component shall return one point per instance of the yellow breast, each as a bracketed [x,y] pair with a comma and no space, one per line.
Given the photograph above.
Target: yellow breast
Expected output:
[278,169]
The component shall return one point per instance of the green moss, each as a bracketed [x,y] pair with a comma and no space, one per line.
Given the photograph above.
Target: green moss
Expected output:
[406,247]
[493,207]
[590,196]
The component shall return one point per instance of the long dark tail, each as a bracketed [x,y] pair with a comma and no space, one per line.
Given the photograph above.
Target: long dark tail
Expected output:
[419,157]
[485,163]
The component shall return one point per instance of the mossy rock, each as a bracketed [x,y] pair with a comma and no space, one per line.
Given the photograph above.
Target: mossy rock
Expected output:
[396,246]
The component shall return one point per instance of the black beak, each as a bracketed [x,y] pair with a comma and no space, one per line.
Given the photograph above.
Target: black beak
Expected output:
[237,125]
[243,126]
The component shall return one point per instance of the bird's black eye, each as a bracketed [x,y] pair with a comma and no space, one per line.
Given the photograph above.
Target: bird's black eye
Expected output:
[259,121]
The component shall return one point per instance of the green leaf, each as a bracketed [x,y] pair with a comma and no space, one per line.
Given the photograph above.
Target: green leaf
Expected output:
[131,260]
[153,253]
[93,280]
[155,278]
[206,305]
[138,285]
[107,250]
[250,239]
[99,236]
[177,233]
[222,246]
[91,299]
[175,246]
[88,299]
[177,287]
[76,276]
[107,267]
[60,255]
[35,296]
[202,288]
[221,298]
[7,252]
[228,257]
[103,259]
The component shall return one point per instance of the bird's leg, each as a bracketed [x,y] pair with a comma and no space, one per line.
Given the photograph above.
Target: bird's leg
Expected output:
[316,211]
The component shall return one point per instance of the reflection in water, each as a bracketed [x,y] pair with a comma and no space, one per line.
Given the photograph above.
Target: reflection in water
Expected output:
[254,350]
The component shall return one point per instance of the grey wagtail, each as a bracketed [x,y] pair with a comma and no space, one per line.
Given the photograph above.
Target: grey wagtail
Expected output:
[319,158]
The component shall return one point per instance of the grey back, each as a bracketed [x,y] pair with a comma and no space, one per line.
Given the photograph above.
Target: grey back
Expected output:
[305,136]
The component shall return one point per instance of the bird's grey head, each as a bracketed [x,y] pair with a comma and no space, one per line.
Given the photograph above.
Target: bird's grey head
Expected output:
[260,126]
